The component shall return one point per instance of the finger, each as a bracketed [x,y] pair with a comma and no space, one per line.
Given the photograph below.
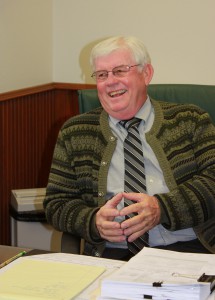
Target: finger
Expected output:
[148,218]
[113,202]
[109,210]
[130,209]
[110,231]
[135,197]
[147,204]
[107,213]
[136,230]
[110,225]
[135,235]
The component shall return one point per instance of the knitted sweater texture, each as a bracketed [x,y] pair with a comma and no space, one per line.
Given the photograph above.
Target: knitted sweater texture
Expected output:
[183,140]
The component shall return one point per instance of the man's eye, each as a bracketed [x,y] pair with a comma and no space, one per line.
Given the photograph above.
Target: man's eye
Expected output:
[119,71]
[102,75]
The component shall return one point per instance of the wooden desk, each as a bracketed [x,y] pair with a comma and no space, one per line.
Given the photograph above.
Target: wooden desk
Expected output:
[7,252]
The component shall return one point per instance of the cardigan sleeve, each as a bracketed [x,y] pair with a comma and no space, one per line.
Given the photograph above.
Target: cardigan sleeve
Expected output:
[71,195]
[190,155]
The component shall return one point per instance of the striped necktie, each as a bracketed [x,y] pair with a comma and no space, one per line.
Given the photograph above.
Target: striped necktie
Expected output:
[135,180]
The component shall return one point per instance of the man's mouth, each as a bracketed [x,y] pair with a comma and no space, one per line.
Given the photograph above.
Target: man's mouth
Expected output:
[117,93]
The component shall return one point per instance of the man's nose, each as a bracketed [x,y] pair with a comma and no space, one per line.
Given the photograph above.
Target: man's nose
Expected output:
[112,77]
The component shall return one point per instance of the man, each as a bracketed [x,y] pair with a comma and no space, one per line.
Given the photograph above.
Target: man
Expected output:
[175,209]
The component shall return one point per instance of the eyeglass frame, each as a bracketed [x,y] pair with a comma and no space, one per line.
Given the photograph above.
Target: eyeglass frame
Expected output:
[123,73]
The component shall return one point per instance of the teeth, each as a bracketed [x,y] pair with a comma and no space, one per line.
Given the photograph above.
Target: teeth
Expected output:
[117,93]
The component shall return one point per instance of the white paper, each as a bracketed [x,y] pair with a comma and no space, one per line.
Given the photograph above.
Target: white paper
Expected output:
[177,272]
[91,292]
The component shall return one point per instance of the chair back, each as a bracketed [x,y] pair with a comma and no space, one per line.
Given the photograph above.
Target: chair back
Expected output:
[201,95]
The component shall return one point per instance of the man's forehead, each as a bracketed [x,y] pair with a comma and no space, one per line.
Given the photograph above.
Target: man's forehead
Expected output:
[114,59]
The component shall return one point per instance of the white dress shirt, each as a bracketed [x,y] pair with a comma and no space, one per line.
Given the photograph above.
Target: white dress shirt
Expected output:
[155,182]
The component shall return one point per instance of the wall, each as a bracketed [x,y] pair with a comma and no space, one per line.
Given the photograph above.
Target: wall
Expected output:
[178,34]
[45,41]
[26,43]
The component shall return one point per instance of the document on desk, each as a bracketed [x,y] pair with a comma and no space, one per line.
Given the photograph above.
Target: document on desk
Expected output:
[160,274]
[41,278]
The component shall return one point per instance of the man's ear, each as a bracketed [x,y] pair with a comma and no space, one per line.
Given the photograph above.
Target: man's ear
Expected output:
[148,73]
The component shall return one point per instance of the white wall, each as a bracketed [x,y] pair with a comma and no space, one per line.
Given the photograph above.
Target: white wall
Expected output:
[179,34]
[50,40]
[25,43]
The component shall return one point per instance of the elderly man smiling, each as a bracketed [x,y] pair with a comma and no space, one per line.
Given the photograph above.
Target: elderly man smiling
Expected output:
[169,203]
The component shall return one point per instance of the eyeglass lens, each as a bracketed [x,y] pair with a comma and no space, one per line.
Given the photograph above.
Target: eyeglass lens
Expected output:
[119,71]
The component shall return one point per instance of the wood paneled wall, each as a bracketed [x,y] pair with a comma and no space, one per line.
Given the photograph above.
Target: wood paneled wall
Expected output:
[29,123]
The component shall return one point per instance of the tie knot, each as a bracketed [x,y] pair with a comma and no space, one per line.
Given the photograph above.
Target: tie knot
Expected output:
[128,124]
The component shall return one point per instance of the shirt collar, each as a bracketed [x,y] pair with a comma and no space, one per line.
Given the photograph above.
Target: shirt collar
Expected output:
[143,113]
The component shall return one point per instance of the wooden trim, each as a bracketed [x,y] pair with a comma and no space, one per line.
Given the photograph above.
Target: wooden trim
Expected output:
[44,87]
[73,86]
[26,91]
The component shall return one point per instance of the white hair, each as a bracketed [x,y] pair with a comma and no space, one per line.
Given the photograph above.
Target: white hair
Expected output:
[133,44]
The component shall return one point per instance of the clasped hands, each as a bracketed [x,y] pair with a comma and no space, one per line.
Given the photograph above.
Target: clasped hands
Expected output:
[147,216]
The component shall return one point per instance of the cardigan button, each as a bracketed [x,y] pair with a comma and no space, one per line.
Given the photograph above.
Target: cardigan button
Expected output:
[112,138]
[103,163]
[101,194]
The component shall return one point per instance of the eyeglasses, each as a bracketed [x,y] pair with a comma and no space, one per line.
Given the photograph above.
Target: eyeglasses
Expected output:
[119,71]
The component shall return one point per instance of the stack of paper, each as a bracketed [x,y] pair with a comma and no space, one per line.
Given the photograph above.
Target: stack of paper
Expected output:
[159,274]
[55,276]
[45,279]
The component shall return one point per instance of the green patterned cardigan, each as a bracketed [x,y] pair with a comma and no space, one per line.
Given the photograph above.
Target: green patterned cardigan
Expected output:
[183,140]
